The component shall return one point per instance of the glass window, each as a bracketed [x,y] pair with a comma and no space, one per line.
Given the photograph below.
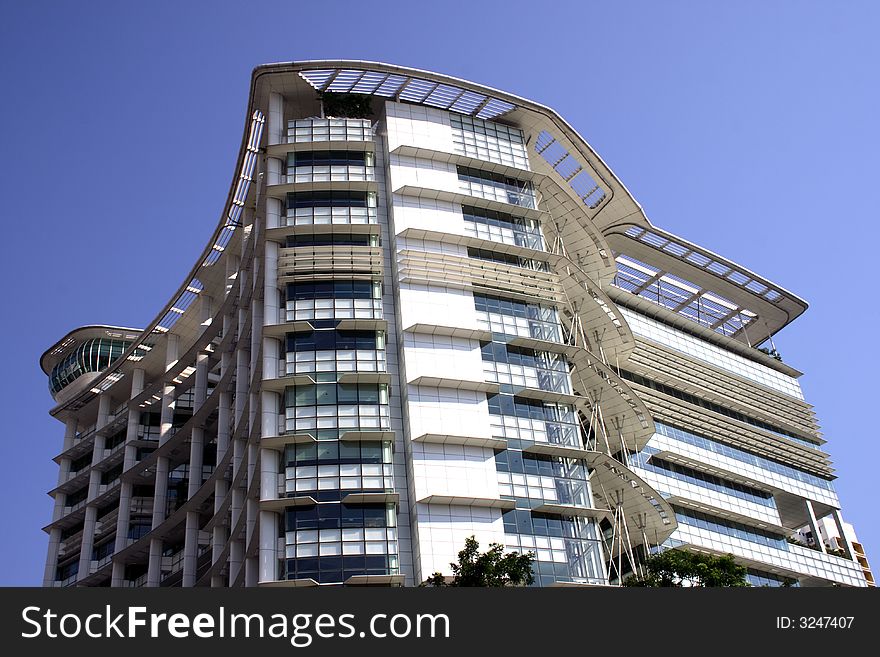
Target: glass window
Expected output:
[331,290]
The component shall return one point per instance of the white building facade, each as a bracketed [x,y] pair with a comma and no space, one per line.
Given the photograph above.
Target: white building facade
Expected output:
[430,311]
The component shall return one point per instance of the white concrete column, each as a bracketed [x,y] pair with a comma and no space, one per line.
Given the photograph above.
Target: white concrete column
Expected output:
[256,334]
[847,544]
[88,537]
[251,571]
[270,466]
[64,469]
[277,131]
[52,557]
[160,495]
[270,422]
[104,402]
[221,487]
[271,294]
[154,564]
[200,387]
[272,359]
[239,455]
[236,507]
[275,171]
[123,520]
[814,525]
[274,213]
[168,390]
[191,540]
[91,514]
[191,548]
[268,545]
[69,432]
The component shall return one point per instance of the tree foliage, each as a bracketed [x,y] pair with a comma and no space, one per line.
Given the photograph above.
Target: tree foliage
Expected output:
[491,568]
[347,106]
[680,568]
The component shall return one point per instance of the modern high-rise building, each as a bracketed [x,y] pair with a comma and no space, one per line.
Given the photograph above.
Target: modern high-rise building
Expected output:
[430,310]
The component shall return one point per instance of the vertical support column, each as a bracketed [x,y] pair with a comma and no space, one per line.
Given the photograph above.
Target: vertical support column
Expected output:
[52,557]
[271,294]
[58,510]
[239,453]
[275,171]
[236,548]
[251,571]
[814,525]
[274,209]
[221,487]
[277,133]
[123,521]
[196,457]
[91,515]
[847,544]
[269,469]
[160,495]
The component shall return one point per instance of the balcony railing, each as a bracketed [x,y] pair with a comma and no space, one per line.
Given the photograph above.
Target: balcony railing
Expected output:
[343,173]
[316,129]
[323,216]
[306,309]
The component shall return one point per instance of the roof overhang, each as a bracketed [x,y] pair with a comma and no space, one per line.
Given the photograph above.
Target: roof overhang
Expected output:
[555,148]
[57,352]
[700,285]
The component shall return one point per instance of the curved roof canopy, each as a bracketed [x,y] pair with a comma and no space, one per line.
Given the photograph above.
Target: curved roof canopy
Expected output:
[700,285]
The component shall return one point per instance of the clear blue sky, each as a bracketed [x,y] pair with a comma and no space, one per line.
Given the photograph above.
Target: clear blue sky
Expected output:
[748,127]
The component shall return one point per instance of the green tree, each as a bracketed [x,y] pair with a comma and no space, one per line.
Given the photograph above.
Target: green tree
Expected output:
[680,568]
[347,106]
[491,568]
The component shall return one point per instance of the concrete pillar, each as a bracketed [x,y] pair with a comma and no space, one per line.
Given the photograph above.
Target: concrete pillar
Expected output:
[275,171]
[160,494]
[268,545]
[167,411]
[154,564]
[271,294]
[272,362]
[269,406]
[64,471]
[200,387]
[221,487]
[191,548]
[69,432]
[256,335]
[52,557]
[847,544]
[814,525]
[277,131]
[191,540]
[88,536]
[123,520]
[51,565]
[103,410]
[270,466]
[91,514]
[270,460]
[275,215]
